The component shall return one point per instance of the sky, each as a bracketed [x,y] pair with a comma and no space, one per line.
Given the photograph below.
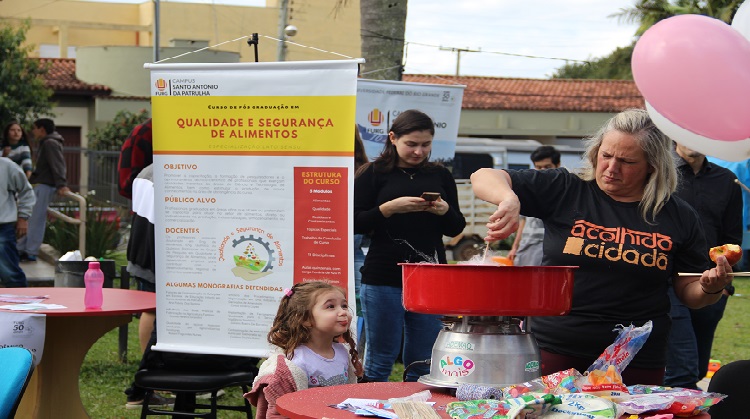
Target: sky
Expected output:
[569,29]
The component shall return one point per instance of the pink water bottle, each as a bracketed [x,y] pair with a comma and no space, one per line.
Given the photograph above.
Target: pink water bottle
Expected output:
[94,281]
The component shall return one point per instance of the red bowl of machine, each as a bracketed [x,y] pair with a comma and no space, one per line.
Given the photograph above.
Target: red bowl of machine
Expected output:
[487,290]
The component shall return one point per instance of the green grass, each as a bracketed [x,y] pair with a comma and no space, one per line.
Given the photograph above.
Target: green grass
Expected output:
[732,339]
[103,377]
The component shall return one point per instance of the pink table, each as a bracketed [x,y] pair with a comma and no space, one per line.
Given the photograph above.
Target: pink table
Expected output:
[70,333]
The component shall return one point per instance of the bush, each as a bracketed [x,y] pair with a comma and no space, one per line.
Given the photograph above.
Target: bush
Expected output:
[111,136]
[102,230]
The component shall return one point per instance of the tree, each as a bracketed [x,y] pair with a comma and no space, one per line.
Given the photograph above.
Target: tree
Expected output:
[112,135]
[615,66]
[647,13]
[382,26]
[23,95]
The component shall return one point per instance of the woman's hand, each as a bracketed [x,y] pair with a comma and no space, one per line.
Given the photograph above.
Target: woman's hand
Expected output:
[698,293]
[715,279]
[504,221]
[406,204]
[496,186]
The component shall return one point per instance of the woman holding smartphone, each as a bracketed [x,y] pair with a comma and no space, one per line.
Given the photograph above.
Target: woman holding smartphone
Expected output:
[405,227]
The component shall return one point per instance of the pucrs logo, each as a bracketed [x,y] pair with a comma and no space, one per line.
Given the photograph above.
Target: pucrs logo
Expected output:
[161,84]
[375,117]
[456,366]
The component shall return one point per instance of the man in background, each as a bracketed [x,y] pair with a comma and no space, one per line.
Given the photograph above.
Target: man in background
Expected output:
[48,178]
[16,202]
[527,246]
[711,190]
[741,169]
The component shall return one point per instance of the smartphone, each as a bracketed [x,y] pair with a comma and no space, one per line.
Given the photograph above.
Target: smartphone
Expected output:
[430,196]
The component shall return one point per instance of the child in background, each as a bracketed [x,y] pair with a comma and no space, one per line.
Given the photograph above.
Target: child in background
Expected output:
[312,319]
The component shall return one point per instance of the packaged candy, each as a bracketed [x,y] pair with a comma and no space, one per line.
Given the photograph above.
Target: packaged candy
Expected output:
[561,382]
[642,403]
[528,405]
[583,406]
[603,377]
[683,402]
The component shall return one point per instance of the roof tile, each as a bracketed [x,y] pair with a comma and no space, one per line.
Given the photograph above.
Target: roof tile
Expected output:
[61,77]
[495,93]
[488,93]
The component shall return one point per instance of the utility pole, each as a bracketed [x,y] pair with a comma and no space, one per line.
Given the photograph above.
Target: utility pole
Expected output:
[283,17]
[156,30]
[458,56]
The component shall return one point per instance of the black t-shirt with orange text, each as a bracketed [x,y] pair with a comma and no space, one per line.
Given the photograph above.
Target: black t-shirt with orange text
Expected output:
[625,263]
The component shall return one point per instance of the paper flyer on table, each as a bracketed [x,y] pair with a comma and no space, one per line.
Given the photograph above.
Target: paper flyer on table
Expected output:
[253,177]
[24,330]
[13,298]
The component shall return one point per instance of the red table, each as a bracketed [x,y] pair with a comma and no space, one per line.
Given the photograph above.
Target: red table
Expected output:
[313,403]
[70,333]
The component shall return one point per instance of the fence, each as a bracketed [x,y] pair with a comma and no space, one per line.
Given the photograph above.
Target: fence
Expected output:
[99,175]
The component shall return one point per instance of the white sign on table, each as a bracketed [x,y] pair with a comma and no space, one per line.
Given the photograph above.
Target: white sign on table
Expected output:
[24,330]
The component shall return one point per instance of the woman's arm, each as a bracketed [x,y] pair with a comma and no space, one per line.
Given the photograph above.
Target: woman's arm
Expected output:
[495,186]
[706,290]
[452,220]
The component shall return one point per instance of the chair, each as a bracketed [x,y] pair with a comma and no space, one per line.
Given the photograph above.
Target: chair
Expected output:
[187,384]
[731,379]
[17,366]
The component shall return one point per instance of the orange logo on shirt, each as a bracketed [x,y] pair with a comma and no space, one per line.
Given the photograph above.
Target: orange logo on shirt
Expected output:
[618,244]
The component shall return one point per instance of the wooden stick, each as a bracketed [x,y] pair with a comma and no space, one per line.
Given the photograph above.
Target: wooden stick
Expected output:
[701,273]
[737,181]
[486,248]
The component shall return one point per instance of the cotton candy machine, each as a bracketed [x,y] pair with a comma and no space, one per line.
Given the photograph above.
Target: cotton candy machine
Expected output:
[484,339]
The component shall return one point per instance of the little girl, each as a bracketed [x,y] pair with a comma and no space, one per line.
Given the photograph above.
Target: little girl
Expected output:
[312,318]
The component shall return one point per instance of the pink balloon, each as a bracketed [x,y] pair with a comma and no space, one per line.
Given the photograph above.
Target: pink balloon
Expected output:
[695,70]
[725,150]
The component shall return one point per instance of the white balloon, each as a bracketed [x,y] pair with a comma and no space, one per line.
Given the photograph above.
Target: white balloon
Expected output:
[741,21]
[725,150]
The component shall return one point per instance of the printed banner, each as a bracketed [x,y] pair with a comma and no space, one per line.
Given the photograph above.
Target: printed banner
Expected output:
[380,102]
[253,175]
[24,330]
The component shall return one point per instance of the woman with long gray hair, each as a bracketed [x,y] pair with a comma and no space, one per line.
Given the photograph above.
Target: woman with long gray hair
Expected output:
[619,223]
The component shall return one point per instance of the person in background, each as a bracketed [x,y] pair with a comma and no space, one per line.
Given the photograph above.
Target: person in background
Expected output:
[17,147]
[312,319]
[141,253]
[527,245]
[711,190]
[16,202]
[136,153]
[619,222]
[49,178]
[404,228]
[741,169]
[360,240]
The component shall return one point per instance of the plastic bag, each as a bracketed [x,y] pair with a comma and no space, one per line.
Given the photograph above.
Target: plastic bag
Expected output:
[604,376]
